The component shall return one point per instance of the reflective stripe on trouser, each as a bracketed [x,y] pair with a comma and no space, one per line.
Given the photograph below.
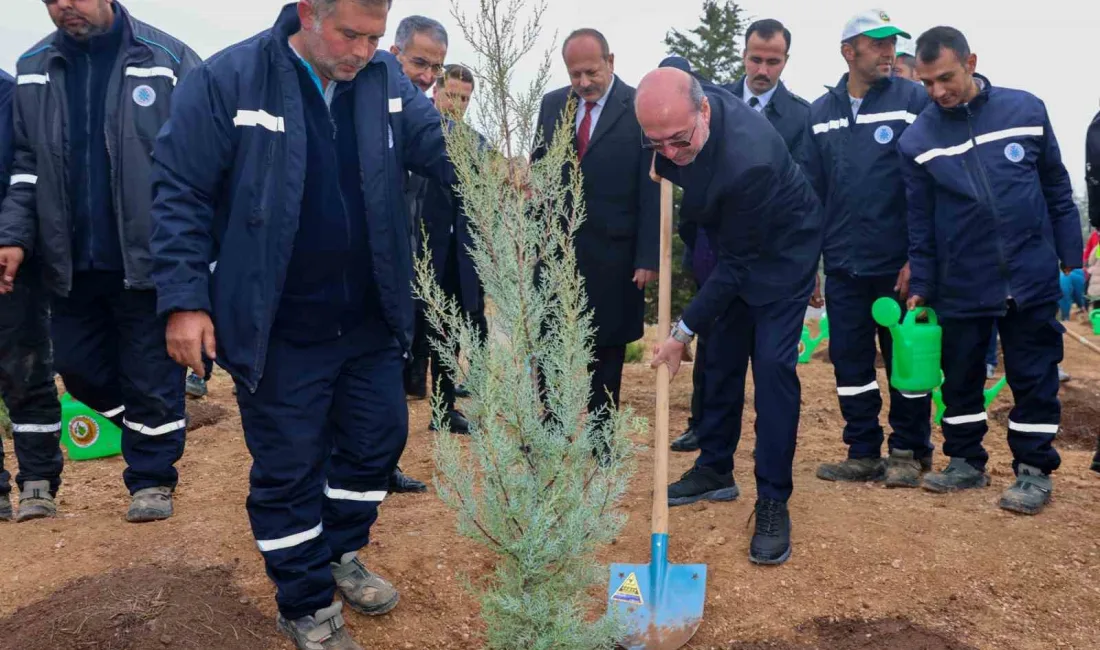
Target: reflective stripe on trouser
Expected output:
[852,333]
[1032,345]
[26,383]
[325,427]
[110,350]
[769,336]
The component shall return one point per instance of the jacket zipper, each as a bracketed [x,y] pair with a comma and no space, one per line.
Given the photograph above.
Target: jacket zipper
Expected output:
[347,217]
[1002,266]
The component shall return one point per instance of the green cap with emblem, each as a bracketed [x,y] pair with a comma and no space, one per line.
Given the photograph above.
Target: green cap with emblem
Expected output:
[874,23]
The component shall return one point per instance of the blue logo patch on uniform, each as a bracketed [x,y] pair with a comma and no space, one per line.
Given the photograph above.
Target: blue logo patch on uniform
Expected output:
[884,134]
[144,96]
[1014,152]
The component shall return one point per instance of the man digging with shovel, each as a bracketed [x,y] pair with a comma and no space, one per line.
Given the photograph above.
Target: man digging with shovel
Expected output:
[764,220]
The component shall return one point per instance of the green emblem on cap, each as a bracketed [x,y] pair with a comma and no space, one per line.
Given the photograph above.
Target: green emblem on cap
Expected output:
[885,18]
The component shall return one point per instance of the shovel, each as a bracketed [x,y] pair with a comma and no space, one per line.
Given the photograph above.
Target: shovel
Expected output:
[660,604]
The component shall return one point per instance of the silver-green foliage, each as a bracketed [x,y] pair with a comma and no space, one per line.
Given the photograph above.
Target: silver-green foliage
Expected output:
[526,484]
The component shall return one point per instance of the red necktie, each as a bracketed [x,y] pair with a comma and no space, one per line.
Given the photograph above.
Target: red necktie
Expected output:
[583,131]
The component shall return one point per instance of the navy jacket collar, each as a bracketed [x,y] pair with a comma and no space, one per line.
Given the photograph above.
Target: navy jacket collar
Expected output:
[973,105]
[109,41]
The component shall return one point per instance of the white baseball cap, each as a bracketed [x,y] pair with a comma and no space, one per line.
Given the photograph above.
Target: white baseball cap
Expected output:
[874,23]
[906,46]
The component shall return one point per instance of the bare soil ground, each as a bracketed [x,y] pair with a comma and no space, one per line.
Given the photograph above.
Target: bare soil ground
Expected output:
[872,568]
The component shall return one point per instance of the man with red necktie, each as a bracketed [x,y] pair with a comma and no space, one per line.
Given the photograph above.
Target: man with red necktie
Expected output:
[618,243]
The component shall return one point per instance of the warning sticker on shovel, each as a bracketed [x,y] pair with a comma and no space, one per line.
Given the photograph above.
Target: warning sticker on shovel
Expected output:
[629,592]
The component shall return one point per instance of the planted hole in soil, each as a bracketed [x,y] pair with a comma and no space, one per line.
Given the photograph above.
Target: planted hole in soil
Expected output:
[883,634]
[1080,415]
[204,413]
[143,608]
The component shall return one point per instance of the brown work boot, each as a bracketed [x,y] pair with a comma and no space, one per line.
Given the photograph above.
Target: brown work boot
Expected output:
[36,502]
[853,470]
[904,470]
[150,504]
[323,631]
[364,591]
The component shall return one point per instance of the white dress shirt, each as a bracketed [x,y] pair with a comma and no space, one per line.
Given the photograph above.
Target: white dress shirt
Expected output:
[763,98]
[596,110]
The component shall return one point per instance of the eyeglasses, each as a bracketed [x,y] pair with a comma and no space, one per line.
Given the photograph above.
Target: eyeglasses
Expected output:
[421,64]
[655,145]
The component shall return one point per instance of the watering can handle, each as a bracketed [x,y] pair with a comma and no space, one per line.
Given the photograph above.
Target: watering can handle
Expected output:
[913,314]
[664,309]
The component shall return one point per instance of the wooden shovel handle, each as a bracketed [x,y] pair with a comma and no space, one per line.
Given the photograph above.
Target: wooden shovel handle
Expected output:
[664,307]
[1083,341]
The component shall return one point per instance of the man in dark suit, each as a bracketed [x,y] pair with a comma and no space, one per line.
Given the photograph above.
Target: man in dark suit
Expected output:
[744,189]
[617,246]
[767,50]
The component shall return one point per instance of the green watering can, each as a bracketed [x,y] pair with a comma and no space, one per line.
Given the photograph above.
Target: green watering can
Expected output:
[1094,318]
[85,433]
[989,393]
[917,346]
[809,343]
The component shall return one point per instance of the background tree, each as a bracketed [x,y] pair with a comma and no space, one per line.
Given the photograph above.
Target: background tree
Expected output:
[538,480]
[714,51]
[714,47]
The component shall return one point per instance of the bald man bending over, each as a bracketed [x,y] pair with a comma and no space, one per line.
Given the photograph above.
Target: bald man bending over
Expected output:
[764,220]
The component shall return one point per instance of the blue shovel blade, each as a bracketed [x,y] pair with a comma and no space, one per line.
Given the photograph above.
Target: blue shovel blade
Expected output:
[659,604]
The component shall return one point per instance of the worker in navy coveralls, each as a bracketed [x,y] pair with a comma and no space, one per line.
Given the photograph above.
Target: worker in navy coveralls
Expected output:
[89,101]
[284,162]
[763,218]
[26,375]
[850,156]
[992,222]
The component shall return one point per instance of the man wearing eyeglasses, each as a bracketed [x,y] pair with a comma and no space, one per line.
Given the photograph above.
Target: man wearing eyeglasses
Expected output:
[617,246]
[89,102]
[742,186]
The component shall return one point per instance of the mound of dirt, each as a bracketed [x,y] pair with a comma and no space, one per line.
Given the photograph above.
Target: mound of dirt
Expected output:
[204,413]
[884,634]
[143,608]
[1080,415]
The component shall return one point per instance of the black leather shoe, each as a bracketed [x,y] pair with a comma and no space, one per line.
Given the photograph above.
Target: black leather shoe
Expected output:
[687,442]
[402,483]
[416,379]
[771,543]
[700,483]
[455,421]
[461,392]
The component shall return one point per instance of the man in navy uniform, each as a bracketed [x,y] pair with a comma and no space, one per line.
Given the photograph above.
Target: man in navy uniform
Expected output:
[850,156]
[90,99]
[744,188]
[285,162]
[992,223]
[26,375]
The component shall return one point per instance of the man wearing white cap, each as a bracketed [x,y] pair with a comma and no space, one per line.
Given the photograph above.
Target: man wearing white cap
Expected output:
[850,155]
[905,61]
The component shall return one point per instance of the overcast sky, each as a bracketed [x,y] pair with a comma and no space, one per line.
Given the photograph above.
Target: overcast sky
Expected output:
[1048,48]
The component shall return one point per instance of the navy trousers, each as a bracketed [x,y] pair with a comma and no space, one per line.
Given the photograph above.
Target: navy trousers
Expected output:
[767,335]
[27,386]
[852,333]
[1031,341]
[110,350]
[325,427]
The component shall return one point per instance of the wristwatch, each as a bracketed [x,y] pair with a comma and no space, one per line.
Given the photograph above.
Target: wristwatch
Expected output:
[680,333]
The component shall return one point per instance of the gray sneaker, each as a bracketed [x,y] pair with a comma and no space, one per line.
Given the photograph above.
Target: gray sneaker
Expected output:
[364,591]
[323,631]
[958,475]
[853,470]
[36,502]
[150,504]
[5,507]
[1029,493]
[904,470]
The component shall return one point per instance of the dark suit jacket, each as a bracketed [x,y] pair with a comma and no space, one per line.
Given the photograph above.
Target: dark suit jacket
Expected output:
[759,211]
[439,210]
[1092,170]
[786,111]
[622,230]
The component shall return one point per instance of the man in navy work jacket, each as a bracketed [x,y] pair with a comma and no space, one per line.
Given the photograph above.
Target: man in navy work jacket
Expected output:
[763,219]
[991,215]
[284,162]
[89,102]
[26,376]
[1092,170]
[850,156]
